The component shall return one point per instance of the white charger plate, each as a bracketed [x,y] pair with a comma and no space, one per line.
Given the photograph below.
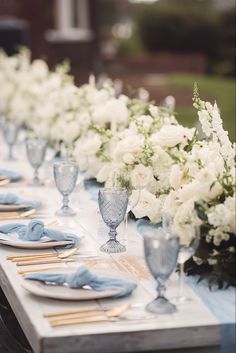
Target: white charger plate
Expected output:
[64,293]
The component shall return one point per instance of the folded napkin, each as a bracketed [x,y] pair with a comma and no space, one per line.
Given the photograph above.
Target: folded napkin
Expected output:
[83,277]
[35,230]
[12,199]
[14,176]
[92,186]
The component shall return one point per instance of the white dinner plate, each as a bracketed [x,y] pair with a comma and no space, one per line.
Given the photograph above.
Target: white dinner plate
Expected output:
[12,240]
[9,208]
[65,293]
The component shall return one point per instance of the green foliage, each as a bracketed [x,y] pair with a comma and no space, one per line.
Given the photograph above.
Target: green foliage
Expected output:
[190,26]
[212,88]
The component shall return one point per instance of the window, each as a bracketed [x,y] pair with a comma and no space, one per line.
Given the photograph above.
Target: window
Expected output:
[72,21]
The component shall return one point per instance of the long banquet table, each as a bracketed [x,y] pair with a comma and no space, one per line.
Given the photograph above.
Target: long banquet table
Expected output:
[193,327]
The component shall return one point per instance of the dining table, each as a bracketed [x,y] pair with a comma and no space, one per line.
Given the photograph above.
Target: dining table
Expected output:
[193,328]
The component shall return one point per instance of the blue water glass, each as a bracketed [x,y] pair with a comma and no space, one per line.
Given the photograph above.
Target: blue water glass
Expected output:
[65,176]
[36,150]
[112,205]
[161,253]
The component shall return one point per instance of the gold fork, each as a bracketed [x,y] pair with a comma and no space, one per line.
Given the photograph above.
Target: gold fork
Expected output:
[90,316]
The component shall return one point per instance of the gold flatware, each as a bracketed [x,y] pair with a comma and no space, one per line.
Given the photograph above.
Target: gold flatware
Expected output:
[4,181]
[13,257]
[43,262]
[20,215]
[63,255]
[26,272]
[91,316]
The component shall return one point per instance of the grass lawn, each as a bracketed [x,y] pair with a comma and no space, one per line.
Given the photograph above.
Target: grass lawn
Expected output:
[210,88]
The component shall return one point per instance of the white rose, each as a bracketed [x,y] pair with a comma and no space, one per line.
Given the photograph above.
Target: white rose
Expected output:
[127,149]
[172,135]
[128,158]
[176,177]
[148,206]
[105,173]
[114,111]
[141,176]
[231,205]
[91,145]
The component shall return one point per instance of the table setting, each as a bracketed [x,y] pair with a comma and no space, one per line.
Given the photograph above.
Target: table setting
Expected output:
[117,226]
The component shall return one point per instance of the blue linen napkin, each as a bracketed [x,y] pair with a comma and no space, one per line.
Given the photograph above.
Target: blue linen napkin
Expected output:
[144,225]
[14,176]
[12,199]
[83,277]
[92,186]
[35,230]
[221,302]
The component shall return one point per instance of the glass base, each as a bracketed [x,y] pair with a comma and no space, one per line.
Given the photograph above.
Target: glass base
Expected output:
[113,246]
[65,212]
[36,182]
[161,306]
[181,299]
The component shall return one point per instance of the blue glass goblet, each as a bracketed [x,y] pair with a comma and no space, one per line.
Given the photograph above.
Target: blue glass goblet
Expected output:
[161,253]
[65,175]
[36,150]
[10,132]
[112,205]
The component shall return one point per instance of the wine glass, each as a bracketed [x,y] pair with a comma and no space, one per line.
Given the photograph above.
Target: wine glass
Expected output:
[161,252]
[185,253]
[10,132]
[36,150]
[65,175]
[112,205]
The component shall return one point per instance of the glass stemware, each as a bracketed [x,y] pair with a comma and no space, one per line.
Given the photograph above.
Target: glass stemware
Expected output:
[10,132]
[122,179]
[161,252]
[65,175]
[185,253]
[112,205]
[36,150]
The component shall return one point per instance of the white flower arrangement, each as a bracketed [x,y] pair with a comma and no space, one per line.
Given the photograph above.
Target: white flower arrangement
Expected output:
[193,180]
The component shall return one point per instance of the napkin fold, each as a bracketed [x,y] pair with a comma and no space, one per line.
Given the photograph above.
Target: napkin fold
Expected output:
[92,186]
[35,230]
[12,199]
[14,176]
[83,277]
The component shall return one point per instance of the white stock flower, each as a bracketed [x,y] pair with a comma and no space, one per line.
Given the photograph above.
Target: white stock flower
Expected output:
[219,215]
[148,206]
[39,69]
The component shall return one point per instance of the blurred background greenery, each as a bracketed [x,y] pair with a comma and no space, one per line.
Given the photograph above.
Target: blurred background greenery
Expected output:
[177,28]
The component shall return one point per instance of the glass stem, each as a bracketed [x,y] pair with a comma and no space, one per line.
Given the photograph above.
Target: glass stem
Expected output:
[10,153]
[161,289]
[65,201]
[181,280]
[36,176]
[112,234]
